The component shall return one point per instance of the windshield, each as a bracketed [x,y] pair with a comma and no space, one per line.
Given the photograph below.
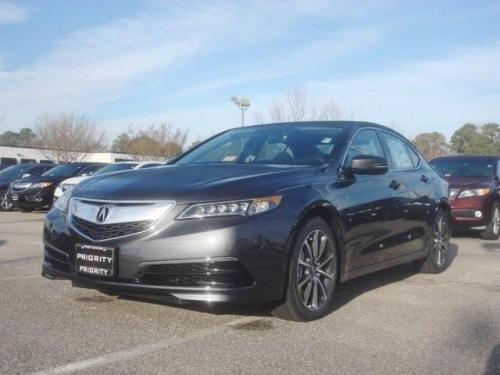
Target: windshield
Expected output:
[65,170]
[90,170]
[293,145]
[464,168]
[115,168]
[13,170]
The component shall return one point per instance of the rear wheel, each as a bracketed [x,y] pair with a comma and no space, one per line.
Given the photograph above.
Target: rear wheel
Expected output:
[439,244]
[312,274]
[492,231]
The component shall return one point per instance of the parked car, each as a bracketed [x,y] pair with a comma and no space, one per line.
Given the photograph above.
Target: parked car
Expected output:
[278,212]
[474,192]
[37,192]
[109,168]
[18,171]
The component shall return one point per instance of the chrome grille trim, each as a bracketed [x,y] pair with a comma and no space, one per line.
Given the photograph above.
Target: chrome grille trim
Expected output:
[82,215]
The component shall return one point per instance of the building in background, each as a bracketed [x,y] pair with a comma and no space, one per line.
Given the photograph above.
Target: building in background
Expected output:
[11,155]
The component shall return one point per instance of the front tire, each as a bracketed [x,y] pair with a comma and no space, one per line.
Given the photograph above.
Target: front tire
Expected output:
[439,244]
[5,203]
[492,231]
[312,275]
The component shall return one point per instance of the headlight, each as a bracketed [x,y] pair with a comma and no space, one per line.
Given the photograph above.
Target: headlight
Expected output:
[63,201]
[248,207]
[40,185]
[473,193]
[65,187]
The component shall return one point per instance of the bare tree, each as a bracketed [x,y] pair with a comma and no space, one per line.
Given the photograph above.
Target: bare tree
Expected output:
[432,145]
[297,106]
[66,137]
[154,143]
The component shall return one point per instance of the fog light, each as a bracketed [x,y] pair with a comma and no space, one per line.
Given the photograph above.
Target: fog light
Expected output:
[478,214]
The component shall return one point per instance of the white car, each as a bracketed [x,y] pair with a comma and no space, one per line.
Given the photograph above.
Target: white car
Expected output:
[110,168]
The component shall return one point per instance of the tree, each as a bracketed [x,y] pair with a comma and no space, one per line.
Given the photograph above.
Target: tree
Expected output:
[471,139]
[154,143]
[432,145]
[120,143]
[66,137]
[25,137]
[296,106]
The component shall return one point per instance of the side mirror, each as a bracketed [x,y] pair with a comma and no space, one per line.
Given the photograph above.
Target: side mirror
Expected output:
[369,164]
[25,175]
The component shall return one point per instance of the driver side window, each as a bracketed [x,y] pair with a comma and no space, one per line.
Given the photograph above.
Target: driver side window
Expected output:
[366,142]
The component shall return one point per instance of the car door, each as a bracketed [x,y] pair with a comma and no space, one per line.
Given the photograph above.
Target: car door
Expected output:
[411,181]
[372,213]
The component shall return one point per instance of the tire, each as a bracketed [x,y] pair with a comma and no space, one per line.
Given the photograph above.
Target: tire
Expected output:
[492,231]
[5,203]
[438,253]
[310,284]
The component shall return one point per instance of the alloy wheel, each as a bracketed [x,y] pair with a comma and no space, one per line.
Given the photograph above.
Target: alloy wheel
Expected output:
[441,240]
[496,221]
[5,203]
[316,269]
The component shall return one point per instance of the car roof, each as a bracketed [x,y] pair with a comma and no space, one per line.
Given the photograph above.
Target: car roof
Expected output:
[354,125]
[467,157]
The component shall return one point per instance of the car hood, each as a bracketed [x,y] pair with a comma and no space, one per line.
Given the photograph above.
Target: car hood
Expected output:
[5,181]
[468,182]
[194,183]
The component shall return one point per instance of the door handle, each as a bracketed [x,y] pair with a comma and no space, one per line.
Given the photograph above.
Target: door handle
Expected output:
[395,184]
[424,178]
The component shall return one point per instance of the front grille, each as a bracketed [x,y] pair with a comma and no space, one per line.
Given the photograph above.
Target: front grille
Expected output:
[102,232]
[464,213]
[20,186]
[222,274]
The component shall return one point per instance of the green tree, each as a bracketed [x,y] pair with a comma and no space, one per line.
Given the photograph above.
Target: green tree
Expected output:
[471,139]
[121,143]
[432,145]
[25,137]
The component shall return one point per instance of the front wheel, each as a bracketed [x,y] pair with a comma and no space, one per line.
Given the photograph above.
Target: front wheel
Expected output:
[439,244]
[5,202]
[312,273]
[492,231]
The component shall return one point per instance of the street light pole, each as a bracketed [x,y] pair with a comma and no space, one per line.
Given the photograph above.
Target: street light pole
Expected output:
[243,104]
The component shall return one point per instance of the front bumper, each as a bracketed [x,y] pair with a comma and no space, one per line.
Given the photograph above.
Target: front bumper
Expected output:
[218,259]
[31,198]
[471,213]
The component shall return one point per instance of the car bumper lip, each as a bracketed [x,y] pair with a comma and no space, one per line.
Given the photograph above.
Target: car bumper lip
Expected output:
[231,295]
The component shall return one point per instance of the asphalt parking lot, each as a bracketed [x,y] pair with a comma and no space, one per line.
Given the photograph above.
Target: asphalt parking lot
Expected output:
[391,322]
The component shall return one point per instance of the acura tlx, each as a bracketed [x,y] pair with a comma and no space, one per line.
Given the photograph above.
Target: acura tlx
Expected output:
[277,213]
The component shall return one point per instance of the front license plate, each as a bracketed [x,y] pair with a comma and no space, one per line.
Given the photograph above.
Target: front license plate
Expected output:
[95,260]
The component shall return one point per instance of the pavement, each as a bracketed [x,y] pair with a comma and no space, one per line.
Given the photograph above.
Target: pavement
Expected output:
[392,322]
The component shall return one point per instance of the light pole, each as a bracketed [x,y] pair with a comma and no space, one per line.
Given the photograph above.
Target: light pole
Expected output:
[243,104]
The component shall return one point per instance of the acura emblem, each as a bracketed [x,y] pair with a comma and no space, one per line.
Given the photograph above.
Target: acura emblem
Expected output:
[102,214]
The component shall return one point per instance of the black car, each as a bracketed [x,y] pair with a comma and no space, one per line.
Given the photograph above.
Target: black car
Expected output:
[37,192]
[278,212]
[15,172]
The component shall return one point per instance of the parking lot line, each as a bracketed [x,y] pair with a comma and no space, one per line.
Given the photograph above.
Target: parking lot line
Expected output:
[141,349]
[20,277]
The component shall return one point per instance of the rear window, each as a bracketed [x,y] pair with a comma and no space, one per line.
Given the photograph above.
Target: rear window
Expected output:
[464,167]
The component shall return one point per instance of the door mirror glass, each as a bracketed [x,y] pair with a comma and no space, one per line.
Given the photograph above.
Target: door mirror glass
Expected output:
[369,164]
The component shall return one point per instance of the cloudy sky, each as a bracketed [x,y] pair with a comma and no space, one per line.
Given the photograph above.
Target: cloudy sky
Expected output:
[416,66]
